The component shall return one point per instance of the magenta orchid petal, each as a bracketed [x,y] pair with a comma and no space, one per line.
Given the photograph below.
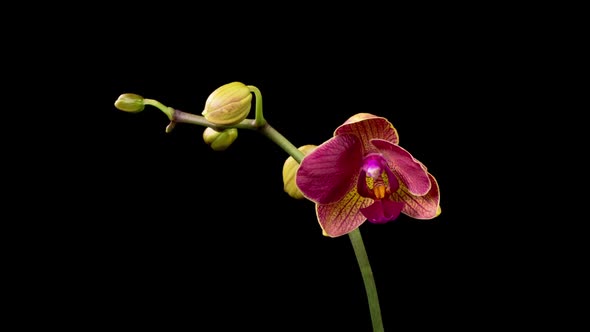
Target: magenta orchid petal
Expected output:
[392,179]
[329,172]
[382,211]
[367,127]
[409,170]
[344,216]
[420,207]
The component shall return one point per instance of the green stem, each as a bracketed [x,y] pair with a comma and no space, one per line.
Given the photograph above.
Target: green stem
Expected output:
[169,111]
[259,120]
[367,273]
[281,141]
[183,117]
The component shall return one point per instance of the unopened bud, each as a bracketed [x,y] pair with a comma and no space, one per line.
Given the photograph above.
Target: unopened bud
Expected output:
[220,140]
[290,168]
[130,102]
[229,104]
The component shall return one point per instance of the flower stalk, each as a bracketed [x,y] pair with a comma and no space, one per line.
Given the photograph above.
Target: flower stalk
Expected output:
[367,273]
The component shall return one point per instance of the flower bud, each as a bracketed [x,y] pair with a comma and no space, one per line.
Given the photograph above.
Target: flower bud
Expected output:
[228,104]
[220,140]
[290,168]
[130,102]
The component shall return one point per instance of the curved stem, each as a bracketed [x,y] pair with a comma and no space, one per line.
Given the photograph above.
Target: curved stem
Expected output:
[367,273]
[259,120]
[169,111]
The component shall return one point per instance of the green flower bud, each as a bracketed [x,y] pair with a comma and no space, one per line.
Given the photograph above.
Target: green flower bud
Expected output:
[290,168]
[220,140]
[130,102]
[228,104]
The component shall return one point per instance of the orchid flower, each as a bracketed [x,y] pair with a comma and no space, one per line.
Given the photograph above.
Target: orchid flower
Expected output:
[363,174]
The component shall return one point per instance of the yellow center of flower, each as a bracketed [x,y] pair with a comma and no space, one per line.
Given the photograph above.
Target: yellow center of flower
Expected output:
[379,191]
[376,184]
[379,188]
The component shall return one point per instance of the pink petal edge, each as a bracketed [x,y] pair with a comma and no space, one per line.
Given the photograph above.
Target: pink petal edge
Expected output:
[409,171]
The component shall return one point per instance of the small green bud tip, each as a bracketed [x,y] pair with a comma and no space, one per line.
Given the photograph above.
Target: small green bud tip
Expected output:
[220,140]
[130,102]
[229,104]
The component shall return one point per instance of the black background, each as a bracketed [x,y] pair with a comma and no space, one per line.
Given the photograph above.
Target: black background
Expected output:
[155,230]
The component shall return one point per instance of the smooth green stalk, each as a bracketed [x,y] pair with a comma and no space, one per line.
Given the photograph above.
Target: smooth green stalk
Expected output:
[169,111]
[367,273]
[259,120]
[183,117]
[281,141]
